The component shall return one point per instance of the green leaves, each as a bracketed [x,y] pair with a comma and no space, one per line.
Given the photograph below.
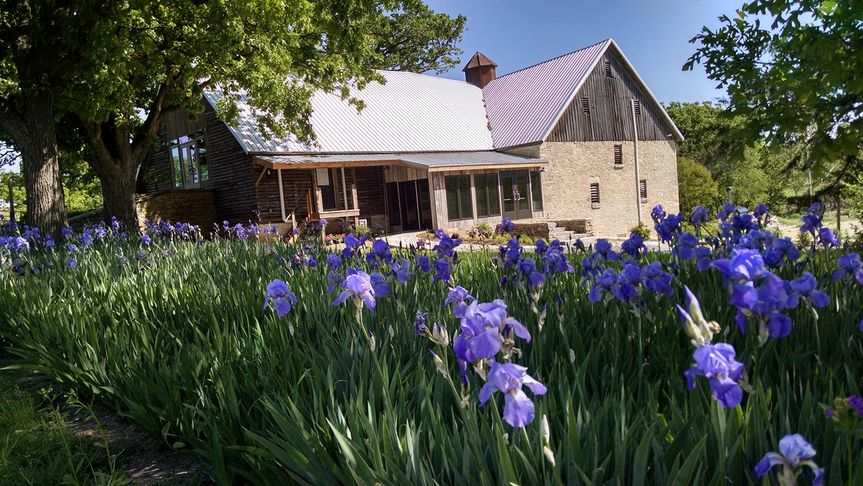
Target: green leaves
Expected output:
[185,349]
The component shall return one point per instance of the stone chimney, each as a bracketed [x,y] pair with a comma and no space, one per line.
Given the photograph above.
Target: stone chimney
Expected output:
[480,70]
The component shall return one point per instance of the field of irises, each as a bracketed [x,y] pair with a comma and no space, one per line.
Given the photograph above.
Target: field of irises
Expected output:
[730,356]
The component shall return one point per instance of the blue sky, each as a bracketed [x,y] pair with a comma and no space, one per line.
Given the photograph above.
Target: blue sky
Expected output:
[654,35]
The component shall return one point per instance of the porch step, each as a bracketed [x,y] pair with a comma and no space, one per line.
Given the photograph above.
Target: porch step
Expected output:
[559,233]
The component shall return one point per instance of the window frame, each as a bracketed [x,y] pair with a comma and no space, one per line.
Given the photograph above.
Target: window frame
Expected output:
[491,201]
[585,105]
[618,156]
[178,149]
[642,188]
[595,194]
[459,204]
[536,205]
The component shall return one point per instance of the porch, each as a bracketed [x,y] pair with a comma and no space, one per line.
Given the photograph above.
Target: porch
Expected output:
[399,192]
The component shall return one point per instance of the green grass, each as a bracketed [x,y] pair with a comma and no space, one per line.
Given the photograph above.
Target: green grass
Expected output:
[37,447]
[182,346]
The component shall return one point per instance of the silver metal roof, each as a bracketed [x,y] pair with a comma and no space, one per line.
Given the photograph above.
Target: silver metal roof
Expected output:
[433,161]
[410,113]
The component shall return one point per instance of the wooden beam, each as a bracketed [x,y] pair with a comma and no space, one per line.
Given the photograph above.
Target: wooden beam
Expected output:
[473,168]
[281,195]
[319,199]
[344,189]
[263,173]
[354,189]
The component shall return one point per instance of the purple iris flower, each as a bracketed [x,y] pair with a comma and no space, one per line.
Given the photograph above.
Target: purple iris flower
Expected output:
[364,288]
[781,248]
[442,270]
[401,269]
[760,210]
[17,244]
[508,378]
[826,237]
[446,245]
[483,329]
[657,280]
[634,245]
[380,252]
[506,226]
[420,323]
[554,260]
[806,287]
[716,362]
[602,249]
[460,298]
[146,240]
[856,402]
[605,282]
[849,265]
[334,261]
[794,452]
[280,297]
[703,258]
[699,216]
[322,223]
[66,231]
[71,262]
[811,223]
[686,245]
[743,266]
[764,301]
[725,211]
[424,263]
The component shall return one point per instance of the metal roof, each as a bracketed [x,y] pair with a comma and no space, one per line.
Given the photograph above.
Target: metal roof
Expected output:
[410,113]
[523,104]
[430,161]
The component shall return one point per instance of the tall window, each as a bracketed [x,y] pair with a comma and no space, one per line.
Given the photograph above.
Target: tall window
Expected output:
[585,105]
[642,188]
[618,155]
[458,202]
[594,193]
[189,161]
[536,190]
[637,104]
[487,195]
[608,69]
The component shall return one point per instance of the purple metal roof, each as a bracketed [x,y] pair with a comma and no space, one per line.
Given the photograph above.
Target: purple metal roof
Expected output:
[523,105]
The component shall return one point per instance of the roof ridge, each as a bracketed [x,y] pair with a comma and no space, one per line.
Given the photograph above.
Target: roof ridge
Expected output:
[554,58]
[433,76]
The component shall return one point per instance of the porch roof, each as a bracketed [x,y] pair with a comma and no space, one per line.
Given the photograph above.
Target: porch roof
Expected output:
[431,161]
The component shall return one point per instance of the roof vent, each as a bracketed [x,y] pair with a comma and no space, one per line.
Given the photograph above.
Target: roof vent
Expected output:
[480,70]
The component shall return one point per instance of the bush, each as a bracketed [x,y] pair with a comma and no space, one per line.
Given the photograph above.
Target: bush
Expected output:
[696,185]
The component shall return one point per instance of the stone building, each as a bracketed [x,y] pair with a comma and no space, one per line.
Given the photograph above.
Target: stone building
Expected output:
[577,143]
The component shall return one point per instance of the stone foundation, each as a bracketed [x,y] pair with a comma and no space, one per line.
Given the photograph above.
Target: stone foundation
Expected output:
[193,206]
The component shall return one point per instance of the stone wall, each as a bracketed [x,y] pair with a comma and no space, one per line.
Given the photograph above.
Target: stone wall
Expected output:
[194,206]
[573,166]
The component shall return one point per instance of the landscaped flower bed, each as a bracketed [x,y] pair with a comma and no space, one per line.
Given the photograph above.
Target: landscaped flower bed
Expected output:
[282,363]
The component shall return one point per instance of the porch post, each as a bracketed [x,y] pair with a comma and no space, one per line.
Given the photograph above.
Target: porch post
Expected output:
[282,196]
[344,189]
[354,194]
[319,200]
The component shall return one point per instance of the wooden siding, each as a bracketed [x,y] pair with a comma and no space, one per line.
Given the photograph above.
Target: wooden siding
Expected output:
[610,112]
[399,173]
[230,169]
[295,184]
[231,174]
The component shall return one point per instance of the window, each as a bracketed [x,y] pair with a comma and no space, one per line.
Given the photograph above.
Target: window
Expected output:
[585,106]
[637,108]
[458,202]
[189,162]
[594,193]
[328,190]
[487,195]
[642,188]
[536,190]
[618,155]
[608,69]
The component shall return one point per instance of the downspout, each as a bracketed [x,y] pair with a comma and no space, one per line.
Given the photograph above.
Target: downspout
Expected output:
[637,168]
[282,196]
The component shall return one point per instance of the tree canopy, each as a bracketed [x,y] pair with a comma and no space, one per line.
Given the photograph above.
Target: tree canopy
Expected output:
[792,70]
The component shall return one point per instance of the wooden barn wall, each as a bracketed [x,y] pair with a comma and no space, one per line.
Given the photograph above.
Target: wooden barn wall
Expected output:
[230,168]
[295,184]
[400,173]
[231,174]
[610,115]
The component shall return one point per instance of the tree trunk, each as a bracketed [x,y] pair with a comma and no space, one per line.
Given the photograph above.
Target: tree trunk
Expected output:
[118,193]
[40,164]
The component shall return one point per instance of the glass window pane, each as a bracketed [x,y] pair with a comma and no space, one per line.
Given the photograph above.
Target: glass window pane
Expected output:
[481,183]
[203,163]
[493,195]
[177,166]
[451,183]
[536,190]
[465,199]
